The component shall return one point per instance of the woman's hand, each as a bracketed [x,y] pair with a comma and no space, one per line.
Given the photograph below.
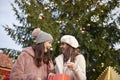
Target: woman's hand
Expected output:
[51,66]
[71,66]
[50,75]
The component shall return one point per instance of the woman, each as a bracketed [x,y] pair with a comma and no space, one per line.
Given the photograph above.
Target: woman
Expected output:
[34,62]
[70,62]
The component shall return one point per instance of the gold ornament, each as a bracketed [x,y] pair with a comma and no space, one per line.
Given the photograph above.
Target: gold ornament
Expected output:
[66,1]
[41,16]
[101,11]
[46,8]
[60,22]
[93,70]
[109,74]
[102,64]
[88,24]
[82,29]
[51,49]
[100,4]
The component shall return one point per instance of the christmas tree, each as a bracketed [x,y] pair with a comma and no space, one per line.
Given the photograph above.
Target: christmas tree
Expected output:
[90,21]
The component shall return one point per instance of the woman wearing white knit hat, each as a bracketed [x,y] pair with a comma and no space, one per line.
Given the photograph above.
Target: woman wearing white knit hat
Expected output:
[70,62]
[34,62]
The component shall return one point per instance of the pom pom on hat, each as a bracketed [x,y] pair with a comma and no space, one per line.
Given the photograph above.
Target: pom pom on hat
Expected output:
[41,36]
[35,32]
[70,40]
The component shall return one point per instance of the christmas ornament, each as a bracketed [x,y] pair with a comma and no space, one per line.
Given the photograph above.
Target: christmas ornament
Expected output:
[51,49]
[99,55]
[93,70]
[93,7]
[59,22]
[101,11]
[46,8]
[90,40]
[82,29]
[41,16]
[66,1]
[103,37]
[88,24]
[109,74]
[102,64]
[28,2]
[58,42]
[23,39]
[94,18]
[100,3]
[52,2]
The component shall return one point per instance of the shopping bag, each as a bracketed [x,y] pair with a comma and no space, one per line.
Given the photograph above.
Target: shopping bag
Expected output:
[59,77]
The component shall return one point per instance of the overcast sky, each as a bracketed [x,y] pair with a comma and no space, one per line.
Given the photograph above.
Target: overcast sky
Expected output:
[7,17]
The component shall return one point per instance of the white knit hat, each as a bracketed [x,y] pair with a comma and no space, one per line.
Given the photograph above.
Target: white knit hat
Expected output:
[71,40]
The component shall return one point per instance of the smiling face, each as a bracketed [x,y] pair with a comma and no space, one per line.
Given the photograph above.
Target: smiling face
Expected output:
[47,45]
[63,47]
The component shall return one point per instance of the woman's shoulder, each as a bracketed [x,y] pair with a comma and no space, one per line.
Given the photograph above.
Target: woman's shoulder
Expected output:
[59,57]
[22,55]
[25,53]
[80,56]
[28,51]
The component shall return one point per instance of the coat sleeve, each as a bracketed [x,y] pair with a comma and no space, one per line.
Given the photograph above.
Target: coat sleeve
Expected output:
[81,67]
[17,72]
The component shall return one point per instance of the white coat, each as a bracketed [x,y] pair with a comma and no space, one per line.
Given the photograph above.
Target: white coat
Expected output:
[79,62]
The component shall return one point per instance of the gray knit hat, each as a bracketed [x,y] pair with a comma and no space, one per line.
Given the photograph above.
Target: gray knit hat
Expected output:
[41,36]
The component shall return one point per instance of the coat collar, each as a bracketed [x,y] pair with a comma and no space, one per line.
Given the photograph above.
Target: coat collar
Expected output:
[59,63]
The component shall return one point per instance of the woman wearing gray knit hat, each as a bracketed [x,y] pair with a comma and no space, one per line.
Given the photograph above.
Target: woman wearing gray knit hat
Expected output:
[34,62]
[70,62]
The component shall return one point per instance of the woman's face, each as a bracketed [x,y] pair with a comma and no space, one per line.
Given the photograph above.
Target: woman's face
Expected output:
[63,47]
[47,45]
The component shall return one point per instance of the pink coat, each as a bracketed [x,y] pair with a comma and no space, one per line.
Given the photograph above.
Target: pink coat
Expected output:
[24,67]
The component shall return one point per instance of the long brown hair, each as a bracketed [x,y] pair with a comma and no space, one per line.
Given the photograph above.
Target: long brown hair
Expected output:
[71,53]
[40,55]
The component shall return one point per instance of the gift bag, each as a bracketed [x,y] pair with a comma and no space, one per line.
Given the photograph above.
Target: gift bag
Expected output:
[59,77]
